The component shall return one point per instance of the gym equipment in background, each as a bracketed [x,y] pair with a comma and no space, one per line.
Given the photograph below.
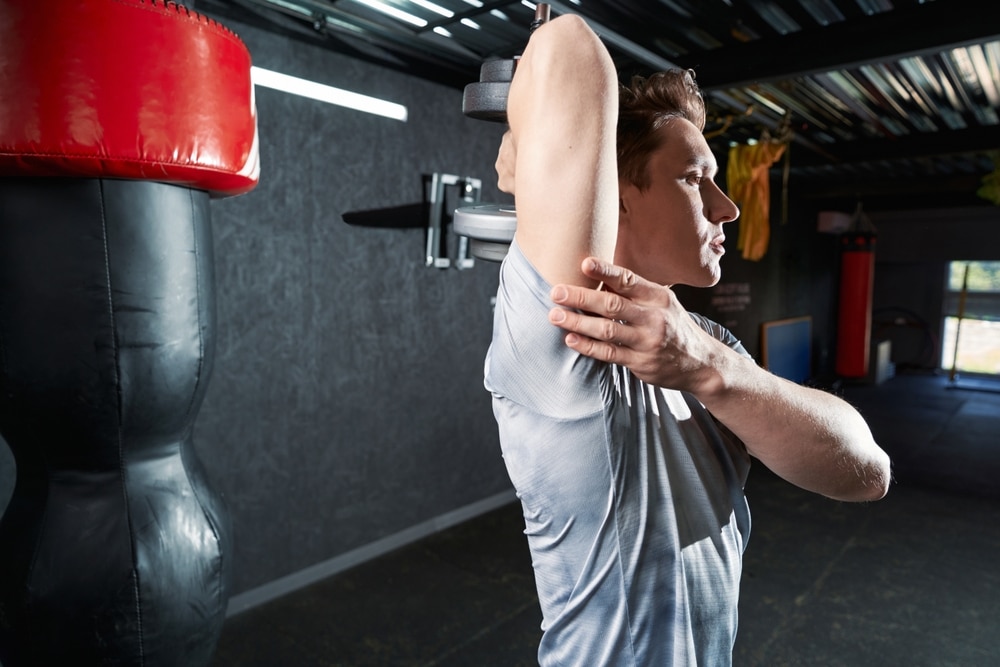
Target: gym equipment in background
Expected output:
[857,240]
[490,227]
[433,214]
[469,190]
[854,321]
[487,98]
[129,116]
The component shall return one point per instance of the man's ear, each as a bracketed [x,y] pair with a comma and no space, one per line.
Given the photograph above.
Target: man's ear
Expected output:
[624,201]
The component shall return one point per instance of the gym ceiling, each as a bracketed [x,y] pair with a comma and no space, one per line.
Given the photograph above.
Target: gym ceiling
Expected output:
[893,103]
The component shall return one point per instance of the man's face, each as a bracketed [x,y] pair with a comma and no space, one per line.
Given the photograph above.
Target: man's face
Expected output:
[671,232]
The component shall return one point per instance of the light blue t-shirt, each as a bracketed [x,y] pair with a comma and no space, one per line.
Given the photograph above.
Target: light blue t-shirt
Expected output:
[632,495]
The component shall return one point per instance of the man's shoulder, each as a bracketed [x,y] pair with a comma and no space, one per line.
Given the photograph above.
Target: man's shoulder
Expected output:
[528,361]
[714,328]
[719,332]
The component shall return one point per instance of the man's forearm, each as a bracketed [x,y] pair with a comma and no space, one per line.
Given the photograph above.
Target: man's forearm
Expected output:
[806,436]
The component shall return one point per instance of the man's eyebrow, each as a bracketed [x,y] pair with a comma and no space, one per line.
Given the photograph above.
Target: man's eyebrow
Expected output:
[702,162]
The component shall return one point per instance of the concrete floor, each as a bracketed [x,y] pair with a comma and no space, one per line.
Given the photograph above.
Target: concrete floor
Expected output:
[910,580]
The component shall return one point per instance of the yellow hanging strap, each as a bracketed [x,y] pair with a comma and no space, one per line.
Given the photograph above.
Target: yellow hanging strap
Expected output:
[748,184]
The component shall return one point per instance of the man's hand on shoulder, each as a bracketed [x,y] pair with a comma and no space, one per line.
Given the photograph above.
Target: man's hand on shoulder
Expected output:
[636,323]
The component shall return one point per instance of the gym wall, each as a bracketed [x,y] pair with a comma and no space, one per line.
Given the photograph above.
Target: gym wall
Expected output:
[914,249]
[347,404]
[346,407]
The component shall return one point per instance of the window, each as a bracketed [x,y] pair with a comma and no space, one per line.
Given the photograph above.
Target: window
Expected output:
[971,340]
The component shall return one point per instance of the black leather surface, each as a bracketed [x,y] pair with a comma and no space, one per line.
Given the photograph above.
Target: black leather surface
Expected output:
[114,548]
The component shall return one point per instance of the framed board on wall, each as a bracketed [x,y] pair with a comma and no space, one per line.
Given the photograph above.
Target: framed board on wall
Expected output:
[786,348]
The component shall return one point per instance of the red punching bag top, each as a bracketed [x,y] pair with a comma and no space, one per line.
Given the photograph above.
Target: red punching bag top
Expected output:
[133,89]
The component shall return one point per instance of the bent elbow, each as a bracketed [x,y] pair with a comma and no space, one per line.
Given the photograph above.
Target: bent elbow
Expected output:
[567,47]
[884,478]
[872,481]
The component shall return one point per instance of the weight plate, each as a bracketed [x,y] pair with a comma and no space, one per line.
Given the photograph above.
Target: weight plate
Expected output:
[487,222]
[486,100]
[490,252]
[497,69]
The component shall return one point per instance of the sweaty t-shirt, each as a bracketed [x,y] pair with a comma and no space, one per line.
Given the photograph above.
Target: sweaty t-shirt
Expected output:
[632,494]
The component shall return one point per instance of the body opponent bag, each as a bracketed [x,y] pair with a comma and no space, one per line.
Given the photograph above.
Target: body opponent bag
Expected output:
[119,120]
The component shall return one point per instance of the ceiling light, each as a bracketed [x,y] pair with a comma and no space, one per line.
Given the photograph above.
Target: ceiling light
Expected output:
[393,12]
[329,94]
[469,23]
[431,7]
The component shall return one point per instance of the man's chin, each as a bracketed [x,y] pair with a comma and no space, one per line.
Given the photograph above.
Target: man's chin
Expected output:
[710,279]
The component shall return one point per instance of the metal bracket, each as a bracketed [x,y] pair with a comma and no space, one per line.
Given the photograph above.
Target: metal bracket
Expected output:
[469,192]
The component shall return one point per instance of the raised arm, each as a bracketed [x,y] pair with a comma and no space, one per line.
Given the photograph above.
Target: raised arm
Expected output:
[562,109]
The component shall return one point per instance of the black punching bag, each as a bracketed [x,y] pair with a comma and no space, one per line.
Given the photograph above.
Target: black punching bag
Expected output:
[112,540]
[129,116]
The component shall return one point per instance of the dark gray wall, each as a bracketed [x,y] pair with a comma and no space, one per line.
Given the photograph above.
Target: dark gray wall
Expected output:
[906,310]
[347,402]
[914,249]
[6,474]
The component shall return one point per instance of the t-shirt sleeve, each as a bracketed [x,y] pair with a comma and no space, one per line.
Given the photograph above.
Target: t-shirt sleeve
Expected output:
[528,361]
[720,333]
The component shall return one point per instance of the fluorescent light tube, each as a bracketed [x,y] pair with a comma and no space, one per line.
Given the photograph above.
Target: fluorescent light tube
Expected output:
[328,94]
[398,14]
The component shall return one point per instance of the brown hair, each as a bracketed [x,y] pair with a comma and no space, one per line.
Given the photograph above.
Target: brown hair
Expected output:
[645,105]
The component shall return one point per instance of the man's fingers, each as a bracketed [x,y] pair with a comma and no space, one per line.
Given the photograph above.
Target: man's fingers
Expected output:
[616,278]
[605,304]
[595,349]
[598,329]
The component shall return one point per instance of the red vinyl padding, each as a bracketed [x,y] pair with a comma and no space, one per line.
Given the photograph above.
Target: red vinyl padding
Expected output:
[134,89]
[854,322]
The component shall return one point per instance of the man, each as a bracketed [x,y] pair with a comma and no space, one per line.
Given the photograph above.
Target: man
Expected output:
[626,423]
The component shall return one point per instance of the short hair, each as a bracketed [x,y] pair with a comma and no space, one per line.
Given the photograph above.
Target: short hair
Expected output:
[645,105]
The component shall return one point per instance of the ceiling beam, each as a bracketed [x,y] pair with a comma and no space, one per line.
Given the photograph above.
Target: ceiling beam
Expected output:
[904,32]
[922,192]
[610,37]
[912,147]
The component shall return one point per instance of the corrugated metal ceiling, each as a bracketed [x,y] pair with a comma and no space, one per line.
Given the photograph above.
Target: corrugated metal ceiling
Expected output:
[891,99]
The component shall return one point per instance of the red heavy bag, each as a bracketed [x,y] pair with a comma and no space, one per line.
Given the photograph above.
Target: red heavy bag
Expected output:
[854,323]
[133,89]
